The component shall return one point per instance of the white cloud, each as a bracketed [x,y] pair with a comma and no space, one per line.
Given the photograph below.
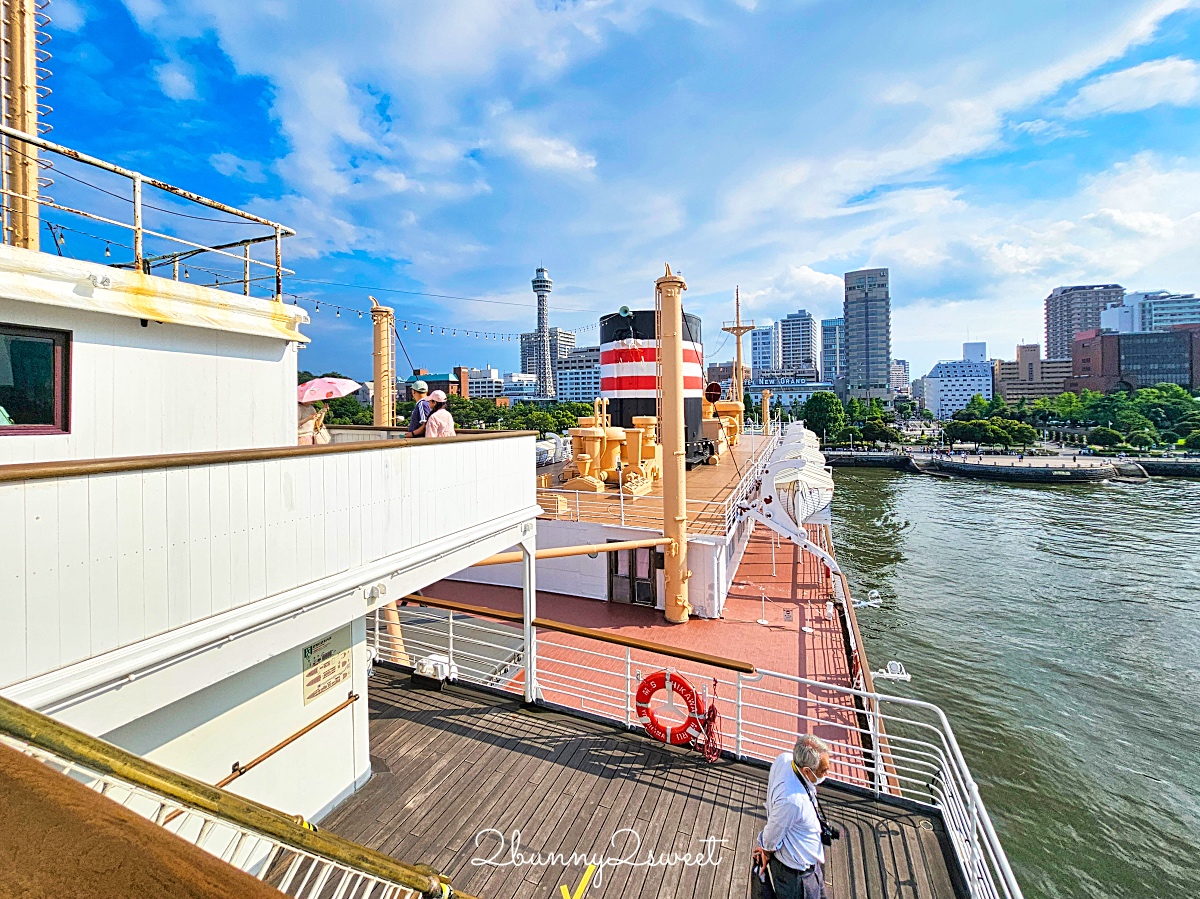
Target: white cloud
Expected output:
[550,153]
[176,80]
[235,167]
[1172,81]
[69,16]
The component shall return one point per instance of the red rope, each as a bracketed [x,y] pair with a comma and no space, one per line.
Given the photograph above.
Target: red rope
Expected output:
[709,744]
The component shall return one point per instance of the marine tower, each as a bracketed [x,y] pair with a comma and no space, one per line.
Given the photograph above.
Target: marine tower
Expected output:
[545,373]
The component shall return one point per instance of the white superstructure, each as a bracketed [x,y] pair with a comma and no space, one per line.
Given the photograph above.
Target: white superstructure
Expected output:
[177,575]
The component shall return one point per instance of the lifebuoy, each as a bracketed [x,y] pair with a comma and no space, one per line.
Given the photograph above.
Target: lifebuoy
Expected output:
[676,734]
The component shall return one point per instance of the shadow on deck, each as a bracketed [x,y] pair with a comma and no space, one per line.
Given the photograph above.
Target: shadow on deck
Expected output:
[450,765]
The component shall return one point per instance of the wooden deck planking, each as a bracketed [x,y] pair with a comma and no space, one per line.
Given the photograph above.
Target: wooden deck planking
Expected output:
[451,764]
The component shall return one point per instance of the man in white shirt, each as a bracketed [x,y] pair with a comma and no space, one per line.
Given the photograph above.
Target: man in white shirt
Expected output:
[791,848]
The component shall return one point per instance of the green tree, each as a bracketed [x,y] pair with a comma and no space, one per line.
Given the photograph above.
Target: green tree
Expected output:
[1022,434]
[849,436]
[1192,440]
[977,407]
[855,413]
[875,431]
[1104,437]
[824,414]
[1141,438]
[997,407]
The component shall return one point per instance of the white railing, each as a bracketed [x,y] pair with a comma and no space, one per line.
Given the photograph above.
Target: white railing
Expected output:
[228,252]
[281,851]
[646,512]
[887,745]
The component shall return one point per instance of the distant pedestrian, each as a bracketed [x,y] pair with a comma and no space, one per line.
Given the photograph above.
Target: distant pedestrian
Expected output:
[1074,458]
[441,422]
[420,412]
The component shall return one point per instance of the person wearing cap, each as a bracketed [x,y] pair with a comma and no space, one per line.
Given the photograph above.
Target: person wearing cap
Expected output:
[441,422]
[420,413]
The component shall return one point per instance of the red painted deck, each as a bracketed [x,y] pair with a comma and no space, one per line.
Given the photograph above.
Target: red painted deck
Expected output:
[586,674]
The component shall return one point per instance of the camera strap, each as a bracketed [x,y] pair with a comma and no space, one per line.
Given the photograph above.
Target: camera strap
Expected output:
[811,791]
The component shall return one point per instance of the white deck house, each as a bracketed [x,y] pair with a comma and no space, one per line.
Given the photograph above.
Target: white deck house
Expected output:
[176,575]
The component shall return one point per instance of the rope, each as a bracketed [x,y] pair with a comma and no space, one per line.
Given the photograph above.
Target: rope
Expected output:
[709,744]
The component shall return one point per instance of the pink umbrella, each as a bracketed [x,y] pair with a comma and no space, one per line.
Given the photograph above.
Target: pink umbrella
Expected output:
[325,389]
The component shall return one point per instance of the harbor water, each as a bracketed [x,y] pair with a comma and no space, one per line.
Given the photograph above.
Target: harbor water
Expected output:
[1059,628]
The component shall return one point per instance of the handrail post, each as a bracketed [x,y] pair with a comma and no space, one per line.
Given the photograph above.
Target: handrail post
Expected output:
[138,245]
[628,690]
[875,754]
[621,494]
[278,265]
[246,270]
[378,657]
[738,717]
[450,637]
[529,610]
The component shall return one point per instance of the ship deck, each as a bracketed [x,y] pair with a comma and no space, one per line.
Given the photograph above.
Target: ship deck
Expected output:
[453,764]
[711,489]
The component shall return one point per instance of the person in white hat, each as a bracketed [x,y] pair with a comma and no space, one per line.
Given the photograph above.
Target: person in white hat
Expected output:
[420,413]
[441,422]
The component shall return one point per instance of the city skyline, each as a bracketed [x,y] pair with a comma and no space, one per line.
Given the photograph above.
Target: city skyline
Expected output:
[985,155]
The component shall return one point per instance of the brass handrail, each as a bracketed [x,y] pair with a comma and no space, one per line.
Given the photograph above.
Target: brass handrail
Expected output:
[28,471]
[90,752]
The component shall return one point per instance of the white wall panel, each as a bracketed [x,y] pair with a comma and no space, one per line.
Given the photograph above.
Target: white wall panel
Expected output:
[107,560]
[163,388]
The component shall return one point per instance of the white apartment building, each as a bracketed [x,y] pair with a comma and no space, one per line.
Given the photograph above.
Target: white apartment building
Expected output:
[765,351]
[951,384]
[484,383]
[799,344]
[900,376]
[1151,310]
[578,379]
[520,385]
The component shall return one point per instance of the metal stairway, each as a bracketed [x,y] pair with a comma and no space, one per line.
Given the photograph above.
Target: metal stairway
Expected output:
[285,854]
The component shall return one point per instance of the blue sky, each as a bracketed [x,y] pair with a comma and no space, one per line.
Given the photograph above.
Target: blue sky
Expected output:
[985,153]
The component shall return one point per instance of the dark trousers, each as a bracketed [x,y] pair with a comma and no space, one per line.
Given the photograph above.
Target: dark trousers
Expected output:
[790,884]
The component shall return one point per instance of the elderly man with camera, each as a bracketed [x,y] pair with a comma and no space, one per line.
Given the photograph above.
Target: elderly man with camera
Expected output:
[789,856]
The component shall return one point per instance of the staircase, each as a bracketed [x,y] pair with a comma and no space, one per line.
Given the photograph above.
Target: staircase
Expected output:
[160,831]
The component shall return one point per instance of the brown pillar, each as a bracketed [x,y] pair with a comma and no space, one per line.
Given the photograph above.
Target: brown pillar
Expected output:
[670,350]
[384,320]
[20,112]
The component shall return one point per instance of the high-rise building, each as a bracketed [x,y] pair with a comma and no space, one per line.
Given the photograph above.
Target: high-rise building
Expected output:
[1151,310]
[798,345]
[578,377]
[900,377]
[833,348]
[951,384]
[867,312]
[1029,377]
[1070,310]
[765,354]
[561,344]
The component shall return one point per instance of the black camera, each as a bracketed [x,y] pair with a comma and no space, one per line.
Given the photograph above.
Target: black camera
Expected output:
[829,833]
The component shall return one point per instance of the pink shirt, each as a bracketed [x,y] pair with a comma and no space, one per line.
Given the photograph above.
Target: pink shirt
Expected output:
[440,424]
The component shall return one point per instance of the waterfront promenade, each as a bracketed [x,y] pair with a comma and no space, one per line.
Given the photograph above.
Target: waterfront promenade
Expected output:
[1065,466]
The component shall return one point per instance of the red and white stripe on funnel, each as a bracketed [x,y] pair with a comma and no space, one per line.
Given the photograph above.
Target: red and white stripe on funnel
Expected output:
[627,369]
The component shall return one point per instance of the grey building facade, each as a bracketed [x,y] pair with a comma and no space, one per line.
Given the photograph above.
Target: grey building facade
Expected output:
[833,348]
[867,312]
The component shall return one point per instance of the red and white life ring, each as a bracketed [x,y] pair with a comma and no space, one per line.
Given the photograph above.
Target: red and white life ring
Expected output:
[676,734]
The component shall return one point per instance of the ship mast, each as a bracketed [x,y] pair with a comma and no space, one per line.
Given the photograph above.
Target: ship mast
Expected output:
[737,329]
[18,86]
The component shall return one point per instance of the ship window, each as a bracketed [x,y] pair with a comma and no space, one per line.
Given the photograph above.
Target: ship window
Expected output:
[35,366]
